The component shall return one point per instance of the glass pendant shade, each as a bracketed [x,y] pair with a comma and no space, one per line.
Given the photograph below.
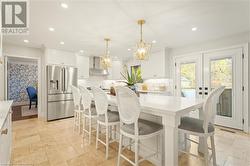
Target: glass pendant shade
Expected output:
[142,51]
[106,59]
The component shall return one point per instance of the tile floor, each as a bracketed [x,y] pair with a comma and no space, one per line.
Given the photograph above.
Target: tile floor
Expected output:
[55,144]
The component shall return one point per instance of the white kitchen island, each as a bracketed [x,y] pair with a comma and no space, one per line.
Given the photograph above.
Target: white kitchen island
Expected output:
[5,132]
[170,109]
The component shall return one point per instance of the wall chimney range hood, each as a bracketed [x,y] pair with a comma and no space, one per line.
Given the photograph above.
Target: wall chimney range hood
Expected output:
[95,67]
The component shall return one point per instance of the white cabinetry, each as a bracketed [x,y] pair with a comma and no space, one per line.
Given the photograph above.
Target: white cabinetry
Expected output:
[115,70]
[53,56]
[154,67]
[82,63]
[5,135]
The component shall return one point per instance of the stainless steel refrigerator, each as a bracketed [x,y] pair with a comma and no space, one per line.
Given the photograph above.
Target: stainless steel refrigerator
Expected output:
[59,99]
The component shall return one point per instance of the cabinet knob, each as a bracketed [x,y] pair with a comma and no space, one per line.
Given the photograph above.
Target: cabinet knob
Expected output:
[4,132]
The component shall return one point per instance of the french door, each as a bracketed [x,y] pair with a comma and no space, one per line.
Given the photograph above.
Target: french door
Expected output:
[197,75]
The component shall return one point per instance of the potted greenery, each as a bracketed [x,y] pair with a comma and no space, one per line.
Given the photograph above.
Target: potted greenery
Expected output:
[133,77]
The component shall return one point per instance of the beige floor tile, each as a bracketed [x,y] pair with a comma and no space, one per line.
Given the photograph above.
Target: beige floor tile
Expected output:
[55,144]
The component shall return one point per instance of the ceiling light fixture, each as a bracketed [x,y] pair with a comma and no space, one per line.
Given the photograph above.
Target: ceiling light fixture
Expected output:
[51,29]
[64,5]
[106,59]
[26,41]
[142,51]
[81,51]
[62,43]
[194,29]
[129,49]
[154,41]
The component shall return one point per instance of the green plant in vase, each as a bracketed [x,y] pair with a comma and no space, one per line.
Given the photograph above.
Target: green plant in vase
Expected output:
[133,77]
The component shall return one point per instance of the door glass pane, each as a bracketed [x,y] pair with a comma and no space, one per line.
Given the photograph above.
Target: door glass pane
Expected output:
[221,75]
[188,83]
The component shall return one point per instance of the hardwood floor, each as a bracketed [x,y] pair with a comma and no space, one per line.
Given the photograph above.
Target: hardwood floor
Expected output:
[55,144]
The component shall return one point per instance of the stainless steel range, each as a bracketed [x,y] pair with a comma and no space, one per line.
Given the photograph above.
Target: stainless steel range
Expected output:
[60,100]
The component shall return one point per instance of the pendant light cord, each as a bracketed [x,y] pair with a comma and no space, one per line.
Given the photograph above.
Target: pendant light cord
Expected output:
[141,32]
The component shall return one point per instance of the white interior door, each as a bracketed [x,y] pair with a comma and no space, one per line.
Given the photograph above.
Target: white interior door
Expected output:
[224,68]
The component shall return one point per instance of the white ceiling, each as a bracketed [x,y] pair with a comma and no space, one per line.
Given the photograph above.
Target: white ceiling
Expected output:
[85,23]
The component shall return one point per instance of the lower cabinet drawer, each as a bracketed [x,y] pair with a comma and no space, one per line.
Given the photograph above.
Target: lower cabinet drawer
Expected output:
[5,141]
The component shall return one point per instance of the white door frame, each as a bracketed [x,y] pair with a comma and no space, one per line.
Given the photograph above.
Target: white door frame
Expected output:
[39,79]
[244,46]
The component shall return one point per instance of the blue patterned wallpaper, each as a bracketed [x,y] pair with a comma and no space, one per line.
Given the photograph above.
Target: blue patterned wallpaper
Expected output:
[21,76]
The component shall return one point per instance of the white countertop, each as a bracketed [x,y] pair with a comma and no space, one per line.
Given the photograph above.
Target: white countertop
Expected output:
[4,110]
[159,105]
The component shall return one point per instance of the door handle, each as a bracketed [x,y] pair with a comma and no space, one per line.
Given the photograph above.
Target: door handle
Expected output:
[206,88]
[206,93]
[200,93]
[4,132]
[200,88]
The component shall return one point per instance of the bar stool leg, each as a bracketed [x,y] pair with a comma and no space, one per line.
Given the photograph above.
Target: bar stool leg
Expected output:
[90,131]
[97,135]
[120,150]
[213,150]
[107,141]
[205,151]
[136,152]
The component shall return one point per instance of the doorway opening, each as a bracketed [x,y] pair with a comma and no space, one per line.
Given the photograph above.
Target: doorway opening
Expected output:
[22,87]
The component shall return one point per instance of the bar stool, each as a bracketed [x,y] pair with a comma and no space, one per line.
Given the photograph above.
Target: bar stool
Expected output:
[203,128]
[104,117]
[88,111]
[77,108]
[133,127]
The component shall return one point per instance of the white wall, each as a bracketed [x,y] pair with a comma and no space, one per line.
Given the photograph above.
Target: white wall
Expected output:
[229,41]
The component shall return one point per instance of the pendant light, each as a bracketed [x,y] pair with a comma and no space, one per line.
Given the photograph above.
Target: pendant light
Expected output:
[142,51]
[106,59]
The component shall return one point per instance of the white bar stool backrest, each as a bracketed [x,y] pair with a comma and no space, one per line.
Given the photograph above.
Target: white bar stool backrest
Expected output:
[128,106]
[210,107]
[76,97]
[101,101]
[86,97]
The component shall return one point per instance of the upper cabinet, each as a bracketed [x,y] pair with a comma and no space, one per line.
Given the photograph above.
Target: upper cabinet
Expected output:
[115,70]
[59,57]
[82,63]
[154,67]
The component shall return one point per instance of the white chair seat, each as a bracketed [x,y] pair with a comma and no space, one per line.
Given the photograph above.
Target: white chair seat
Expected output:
[112,117]
[92,112]
[194,125]
[145,127]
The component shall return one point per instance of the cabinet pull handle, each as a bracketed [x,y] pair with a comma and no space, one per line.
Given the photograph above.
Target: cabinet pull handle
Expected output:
[5,131]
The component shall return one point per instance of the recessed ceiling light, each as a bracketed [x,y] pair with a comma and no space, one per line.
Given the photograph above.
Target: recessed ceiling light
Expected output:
[51,29]
[194,29]
[64,5]
[81,51]
[154,41]
[129,49]
[26,41]
[62,43]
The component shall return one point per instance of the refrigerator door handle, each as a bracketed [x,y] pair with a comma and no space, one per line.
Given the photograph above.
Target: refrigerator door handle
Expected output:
[63,82]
